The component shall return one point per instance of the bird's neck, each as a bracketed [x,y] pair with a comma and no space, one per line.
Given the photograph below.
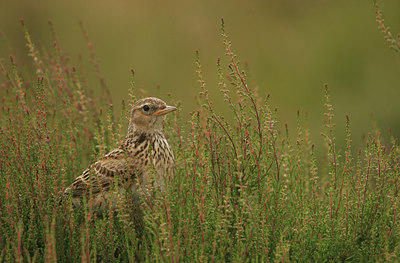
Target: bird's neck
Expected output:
[139,135]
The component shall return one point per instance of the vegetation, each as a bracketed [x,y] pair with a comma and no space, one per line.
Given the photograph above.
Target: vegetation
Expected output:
[243,190]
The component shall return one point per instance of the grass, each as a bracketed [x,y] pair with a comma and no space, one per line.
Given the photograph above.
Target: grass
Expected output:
[243,190]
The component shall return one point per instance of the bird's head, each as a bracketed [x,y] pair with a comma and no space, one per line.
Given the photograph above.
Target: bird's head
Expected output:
[148,115]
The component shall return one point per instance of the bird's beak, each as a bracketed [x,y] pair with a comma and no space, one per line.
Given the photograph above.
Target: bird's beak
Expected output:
[164,111]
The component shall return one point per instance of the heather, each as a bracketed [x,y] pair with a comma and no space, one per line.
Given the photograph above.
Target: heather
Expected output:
[244,190]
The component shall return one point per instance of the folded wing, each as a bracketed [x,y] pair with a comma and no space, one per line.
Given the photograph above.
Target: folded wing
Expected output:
[101,175]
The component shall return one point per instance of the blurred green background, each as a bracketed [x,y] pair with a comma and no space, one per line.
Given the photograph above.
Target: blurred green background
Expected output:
[293,47]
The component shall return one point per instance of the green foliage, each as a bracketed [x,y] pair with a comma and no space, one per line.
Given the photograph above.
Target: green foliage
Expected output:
[243,191]
[393,41]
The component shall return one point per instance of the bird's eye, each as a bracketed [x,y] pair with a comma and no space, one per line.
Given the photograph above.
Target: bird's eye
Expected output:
[146,108]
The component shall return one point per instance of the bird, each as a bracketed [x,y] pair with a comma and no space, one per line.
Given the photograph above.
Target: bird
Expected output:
[143,155]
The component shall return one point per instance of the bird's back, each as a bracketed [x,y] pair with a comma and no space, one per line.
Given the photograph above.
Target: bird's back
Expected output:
[130,166]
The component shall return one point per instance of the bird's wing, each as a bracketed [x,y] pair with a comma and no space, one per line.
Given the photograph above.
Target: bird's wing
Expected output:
[100,176]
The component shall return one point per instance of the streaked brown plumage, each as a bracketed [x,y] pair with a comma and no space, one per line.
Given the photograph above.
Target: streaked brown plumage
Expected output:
[143,148]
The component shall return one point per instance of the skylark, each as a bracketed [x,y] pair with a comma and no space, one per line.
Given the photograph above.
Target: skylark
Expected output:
[143,149]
